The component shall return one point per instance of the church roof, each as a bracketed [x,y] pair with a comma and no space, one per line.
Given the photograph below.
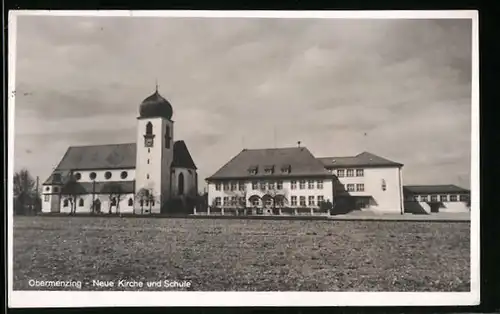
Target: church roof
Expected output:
[112,156]
[280,162]
[364,159]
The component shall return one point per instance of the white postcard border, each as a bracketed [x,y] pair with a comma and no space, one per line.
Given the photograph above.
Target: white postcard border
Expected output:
[142,298]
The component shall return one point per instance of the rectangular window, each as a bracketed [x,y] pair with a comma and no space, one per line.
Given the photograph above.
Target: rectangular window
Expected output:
[217,186]
[233,200]
[350,172]
[293,185]
[294,200]
[360,187]
[302,184]
[311,200]
[226,186]
[340,173]
[302,201]
[310,184]
[226,201]
[464,198]
[360,172]
[46,198]
[350,188]
[280,185]
[320,184]
[443,198]
[242,201]
[271,185]
[320,199]
[255,185]
[234,186]
[453,198]
[424,198]
[241,186]
[217,202]
[434,198]
[263,185]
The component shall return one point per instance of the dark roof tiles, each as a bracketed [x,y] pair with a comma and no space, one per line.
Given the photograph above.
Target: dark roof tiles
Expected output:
[365,159]
[434,189]
[113,156]
[300,160]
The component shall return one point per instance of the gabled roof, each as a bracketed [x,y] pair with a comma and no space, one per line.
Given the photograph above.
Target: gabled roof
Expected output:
[182,157]
[112,156]
[434,189]
[364,159]
[299,159]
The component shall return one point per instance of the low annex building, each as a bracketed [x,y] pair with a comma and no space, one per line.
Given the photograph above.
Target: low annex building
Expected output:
[270,181]
[135,177]
[366,182]
[426,199]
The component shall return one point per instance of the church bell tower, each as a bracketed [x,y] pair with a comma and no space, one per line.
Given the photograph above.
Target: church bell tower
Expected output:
[155,145]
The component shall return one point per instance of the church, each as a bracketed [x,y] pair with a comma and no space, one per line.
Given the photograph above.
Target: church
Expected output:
[139,178]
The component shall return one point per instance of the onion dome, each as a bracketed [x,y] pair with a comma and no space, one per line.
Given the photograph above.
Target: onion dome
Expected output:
[155,106]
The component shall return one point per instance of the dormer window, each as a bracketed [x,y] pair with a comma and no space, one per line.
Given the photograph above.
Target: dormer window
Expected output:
[253,170]
[269,169]
[286,169]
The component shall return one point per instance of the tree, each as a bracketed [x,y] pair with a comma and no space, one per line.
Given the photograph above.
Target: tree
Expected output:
[71,189]
[326,206]
[276,195]
[25,194]
[115,194]
[151,198]
[241,201]
[142,196]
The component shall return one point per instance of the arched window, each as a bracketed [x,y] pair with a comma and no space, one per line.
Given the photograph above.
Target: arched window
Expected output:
[180,184]
[167,137]
[65,203]
[130,202]
[141,202]
[80,202]
[149,128]
[113,201]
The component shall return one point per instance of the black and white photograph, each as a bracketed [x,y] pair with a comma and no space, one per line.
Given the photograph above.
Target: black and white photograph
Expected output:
[243,158]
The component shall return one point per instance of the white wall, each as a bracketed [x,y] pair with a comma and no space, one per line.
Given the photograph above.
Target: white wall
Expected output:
[326,191]
[454,207]
[389,200]
[160,159]
[105,201]
[100,175]
[52,205]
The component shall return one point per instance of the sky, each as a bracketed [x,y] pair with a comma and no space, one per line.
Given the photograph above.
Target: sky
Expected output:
[400,89]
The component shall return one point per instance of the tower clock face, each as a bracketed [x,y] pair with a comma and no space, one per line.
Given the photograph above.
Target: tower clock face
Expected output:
[148,142]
